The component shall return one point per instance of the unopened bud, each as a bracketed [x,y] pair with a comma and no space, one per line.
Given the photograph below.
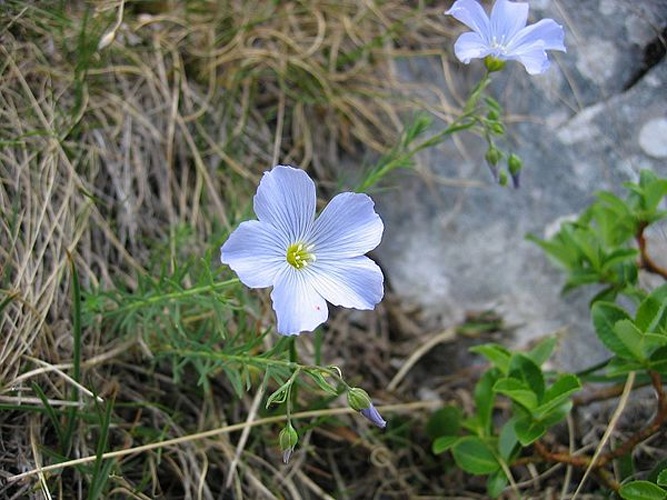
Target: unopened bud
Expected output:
[515,165]
[493,155]
[359,400]
[497,128]
[502,178]
[288,438]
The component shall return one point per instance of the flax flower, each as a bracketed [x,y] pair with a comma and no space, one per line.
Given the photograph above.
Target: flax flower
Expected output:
[505,36]
[307,260]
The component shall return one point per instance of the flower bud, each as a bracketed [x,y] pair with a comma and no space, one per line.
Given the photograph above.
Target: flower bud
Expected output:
[493,155]
[497,128]
[359,400]
[514,165]
[287,440]
[502,178]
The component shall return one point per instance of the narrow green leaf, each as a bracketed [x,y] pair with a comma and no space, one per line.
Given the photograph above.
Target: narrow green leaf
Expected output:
[642,490]
[322,382]
[475,456]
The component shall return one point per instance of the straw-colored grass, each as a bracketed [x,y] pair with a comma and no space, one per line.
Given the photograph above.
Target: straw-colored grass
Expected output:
[132,135]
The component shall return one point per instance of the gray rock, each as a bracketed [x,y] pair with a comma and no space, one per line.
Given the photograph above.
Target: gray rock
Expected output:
[596,118]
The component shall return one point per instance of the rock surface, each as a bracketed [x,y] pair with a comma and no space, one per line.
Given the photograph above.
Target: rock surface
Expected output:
[596,118]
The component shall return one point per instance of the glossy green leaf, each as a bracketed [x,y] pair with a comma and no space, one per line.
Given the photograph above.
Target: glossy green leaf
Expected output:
[652,312]
[631,337]
[508,440]
[484,399]
[496,484]
[444,443]
[528,430]
[642,490]
[558,393]
[605,316]
[662,477]
[524,368]
[475,456]
[444,422]
[518,391]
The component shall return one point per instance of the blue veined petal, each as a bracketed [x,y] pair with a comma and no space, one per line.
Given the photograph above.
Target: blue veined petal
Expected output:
[471,13]
[531,43]
[471,46]
[535,59]
[299,308]
[357,282]
[507,19]
[546,31]
[373,415]
[347,227]
[254,252]
[286,199]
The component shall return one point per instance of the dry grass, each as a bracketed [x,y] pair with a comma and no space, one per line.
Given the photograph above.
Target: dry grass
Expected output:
[124,160]
[129,163]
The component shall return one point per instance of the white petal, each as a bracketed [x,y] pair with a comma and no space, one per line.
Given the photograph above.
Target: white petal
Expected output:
[507,19]
[356,282]
[471,46]
[347,227]
[298,306]
[254,253]
[534,59]
[547,32]
[471,13]
[286,199]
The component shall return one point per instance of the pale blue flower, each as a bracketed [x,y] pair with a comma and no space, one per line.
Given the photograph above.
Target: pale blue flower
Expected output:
[504,35]
[307,260]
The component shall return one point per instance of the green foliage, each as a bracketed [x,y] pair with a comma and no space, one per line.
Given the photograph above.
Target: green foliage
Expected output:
[604,246]
[642,490]
[599,246]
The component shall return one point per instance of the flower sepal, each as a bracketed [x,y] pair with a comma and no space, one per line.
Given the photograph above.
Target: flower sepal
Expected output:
[493,64]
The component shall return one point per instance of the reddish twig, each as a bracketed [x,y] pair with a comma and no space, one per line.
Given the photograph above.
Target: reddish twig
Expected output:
[645,261]
[584,461]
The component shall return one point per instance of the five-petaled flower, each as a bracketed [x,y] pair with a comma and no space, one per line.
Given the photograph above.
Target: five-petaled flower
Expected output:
[505,36]
[307,260]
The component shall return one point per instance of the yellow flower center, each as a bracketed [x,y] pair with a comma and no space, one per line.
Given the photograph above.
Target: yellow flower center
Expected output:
[299,255]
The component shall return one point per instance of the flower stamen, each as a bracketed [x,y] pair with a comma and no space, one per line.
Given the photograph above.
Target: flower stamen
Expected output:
[299,255]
